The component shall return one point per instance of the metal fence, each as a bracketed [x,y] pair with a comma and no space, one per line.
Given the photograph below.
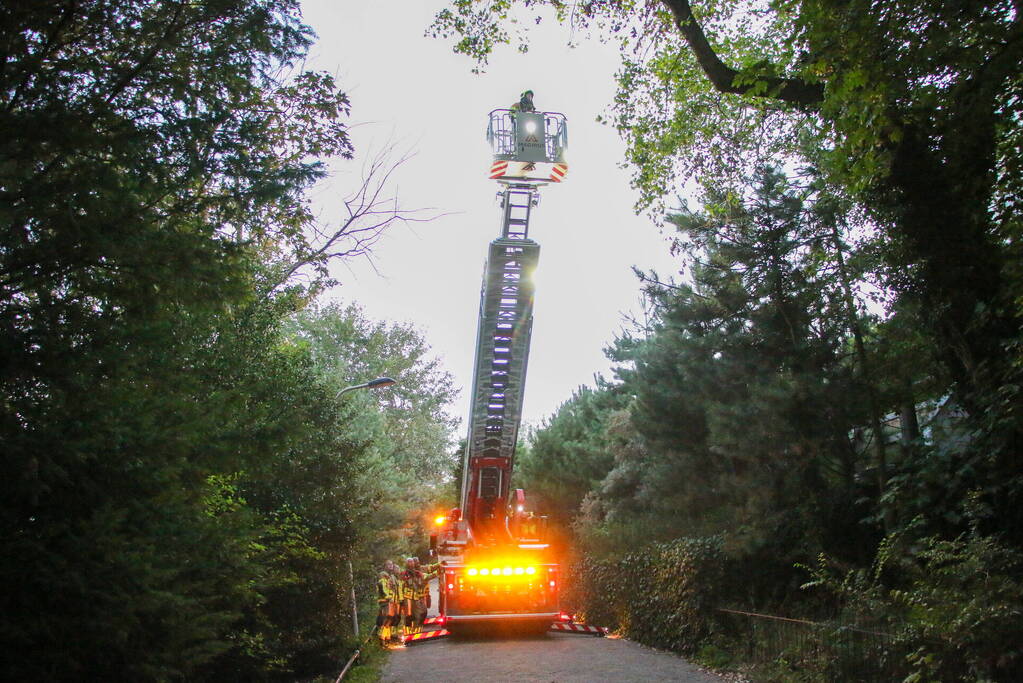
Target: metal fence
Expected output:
[822,651]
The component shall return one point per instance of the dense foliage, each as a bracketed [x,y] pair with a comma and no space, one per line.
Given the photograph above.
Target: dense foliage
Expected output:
[910,109]
[837,373]
[661,594]
[183,485]
[766,407]
[570,453]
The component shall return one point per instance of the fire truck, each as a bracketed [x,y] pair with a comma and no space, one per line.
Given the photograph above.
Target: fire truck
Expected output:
[496,566]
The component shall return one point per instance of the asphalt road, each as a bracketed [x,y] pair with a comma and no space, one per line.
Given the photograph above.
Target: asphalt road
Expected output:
[559,657]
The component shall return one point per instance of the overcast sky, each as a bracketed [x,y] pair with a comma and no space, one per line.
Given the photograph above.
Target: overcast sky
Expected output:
[414,91]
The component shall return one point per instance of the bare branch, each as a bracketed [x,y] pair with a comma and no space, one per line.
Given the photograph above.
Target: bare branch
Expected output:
[369,210]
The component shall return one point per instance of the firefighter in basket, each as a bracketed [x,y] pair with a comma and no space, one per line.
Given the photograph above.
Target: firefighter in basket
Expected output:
[525,103]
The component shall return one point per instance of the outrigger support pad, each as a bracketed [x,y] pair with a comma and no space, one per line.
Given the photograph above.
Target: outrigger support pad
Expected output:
[581,629]
[425,636]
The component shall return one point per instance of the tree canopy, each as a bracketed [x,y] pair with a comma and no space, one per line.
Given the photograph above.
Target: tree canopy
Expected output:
[183,482]
[907,109]
[838,368]
[910,108]
[765,421]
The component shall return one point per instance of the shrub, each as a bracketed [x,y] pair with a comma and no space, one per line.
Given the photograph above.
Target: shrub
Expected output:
[957,606]
[662,595]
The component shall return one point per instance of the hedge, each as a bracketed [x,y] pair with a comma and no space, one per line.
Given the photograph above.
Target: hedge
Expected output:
[662,594]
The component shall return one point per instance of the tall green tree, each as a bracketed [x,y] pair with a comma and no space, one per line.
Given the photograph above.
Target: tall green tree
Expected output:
[569,454]
[746,380]
[741,401]
[409,429]
[175,465]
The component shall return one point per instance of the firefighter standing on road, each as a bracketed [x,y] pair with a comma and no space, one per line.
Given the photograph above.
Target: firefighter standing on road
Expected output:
[422,589]
[387,600]
[410,581]
[422,602]
[433,570]
[529,529]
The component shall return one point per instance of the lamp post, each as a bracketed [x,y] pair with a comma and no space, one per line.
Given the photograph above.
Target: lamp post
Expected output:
[372,384]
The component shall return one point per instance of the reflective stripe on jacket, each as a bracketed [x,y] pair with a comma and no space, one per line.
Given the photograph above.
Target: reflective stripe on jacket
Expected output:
[386,589]
[410,582]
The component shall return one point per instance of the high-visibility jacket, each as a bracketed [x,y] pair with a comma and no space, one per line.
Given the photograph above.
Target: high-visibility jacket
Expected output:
[387,589]
[524,104]
[410,582]
[427,571]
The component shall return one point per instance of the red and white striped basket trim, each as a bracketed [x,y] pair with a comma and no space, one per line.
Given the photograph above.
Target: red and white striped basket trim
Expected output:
[498,169]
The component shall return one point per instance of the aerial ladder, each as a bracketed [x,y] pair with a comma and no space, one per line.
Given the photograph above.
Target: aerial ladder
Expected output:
[495,563]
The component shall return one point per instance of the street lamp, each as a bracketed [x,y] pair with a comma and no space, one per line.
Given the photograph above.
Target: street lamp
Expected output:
[372,384]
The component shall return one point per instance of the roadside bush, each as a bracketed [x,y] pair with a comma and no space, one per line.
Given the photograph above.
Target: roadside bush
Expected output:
[957,608]
[965,607]
[661,595]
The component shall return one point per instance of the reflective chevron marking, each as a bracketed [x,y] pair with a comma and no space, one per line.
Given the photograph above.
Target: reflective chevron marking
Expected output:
[416,638]
[498,169]
[579,628]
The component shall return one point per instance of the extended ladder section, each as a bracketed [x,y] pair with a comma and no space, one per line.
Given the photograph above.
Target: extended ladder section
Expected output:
[496,563]
[502,351]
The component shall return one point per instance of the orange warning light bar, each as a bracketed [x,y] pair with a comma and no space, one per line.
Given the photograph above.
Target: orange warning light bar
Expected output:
[501,571]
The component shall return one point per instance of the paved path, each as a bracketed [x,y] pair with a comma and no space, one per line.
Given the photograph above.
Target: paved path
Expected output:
[551,657]
[557,657]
